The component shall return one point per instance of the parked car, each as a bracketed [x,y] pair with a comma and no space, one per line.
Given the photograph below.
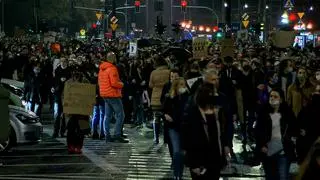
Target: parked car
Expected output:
[15,87]
[25,127]
[4,114]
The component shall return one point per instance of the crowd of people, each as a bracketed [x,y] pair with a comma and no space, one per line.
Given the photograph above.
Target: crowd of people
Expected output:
[269,96]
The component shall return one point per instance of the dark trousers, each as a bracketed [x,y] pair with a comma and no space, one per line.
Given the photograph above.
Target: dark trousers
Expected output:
[59,120]
[211,174]
[276,167]
[75,137]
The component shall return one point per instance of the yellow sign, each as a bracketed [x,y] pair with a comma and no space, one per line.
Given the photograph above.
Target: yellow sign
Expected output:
[301,14]
[99,15]
[82,32]
[245,23]
[114,27]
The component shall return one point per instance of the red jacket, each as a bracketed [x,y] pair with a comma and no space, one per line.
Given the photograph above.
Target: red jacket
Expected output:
[109,82]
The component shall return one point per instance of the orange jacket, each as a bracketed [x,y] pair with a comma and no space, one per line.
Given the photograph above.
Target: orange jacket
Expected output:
[109,82]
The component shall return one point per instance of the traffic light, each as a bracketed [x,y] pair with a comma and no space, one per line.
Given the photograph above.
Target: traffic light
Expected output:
[137,4]
[184,5]
[219,35]
[94,26]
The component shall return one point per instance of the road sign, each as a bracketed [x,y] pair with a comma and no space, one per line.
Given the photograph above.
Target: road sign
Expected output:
[245,24]
[114,20]
[288,4]
[98,23]
[114,27]
[99,15]
[301,14]
[235,27]
[245,17]
[82,32]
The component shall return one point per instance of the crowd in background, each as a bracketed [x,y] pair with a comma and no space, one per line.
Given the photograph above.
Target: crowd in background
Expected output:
[269,96]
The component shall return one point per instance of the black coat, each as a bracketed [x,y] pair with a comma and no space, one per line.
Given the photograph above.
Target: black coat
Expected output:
[288,125]
[58,85]
[174,107]
[200,152]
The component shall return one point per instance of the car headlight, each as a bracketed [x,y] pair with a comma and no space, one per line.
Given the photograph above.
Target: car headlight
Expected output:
[27,119]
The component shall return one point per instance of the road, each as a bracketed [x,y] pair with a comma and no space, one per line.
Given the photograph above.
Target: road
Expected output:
[139,159]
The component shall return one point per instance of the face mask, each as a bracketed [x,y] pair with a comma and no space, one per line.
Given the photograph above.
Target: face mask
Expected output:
[274,103]
[182,90]
[36,70]
[318,77]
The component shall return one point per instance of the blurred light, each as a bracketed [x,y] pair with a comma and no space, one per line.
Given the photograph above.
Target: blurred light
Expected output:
[311,8]
[183,24]
[94,26]
[201,28]
[225,4]
[285,15]
[219,34]
[208,29]
[245,6]
[267,7]
[293,17]
[309,26]
[188,26]
[184,3]
[194,27]
[285,21]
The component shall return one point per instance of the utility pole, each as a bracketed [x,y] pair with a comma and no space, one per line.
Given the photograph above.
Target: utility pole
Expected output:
[113,14]
[228,18]
[35,14]
[2,15]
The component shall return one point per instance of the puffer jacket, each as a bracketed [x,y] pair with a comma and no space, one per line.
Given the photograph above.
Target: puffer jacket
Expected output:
[109,82]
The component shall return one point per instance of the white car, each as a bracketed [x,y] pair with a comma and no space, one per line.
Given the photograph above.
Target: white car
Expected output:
[25,127]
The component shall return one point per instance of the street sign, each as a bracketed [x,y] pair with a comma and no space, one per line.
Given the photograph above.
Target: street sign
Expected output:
[114,20]
[225,28]
[235,27]
[301,14]
[114,27]
[98,23]
[99,15]
[289,4]
[245,17]
[82,32]
[245,24]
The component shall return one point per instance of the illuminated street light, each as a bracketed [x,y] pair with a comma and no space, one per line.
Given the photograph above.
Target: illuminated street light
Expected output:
[208,29]
[245,6]
[188,26]
[309,26]
[201,28]
[225,4]
[267,7]
[183,24]
[311,8]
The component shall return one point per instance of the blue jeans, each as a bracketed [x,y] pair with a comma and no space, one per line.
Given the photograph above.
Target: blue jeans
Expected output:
[177,159]
[98,117]
[276,167]
[113,106]
[34,107]
[60,123]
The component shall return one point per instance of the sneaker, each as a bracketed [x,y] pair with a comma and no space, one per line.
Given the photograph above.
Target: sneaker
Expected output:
[120,140]
[124,136]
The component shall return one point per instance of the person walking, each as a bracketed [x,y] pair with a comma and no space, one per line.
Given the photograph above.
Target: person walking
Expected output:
[110,87]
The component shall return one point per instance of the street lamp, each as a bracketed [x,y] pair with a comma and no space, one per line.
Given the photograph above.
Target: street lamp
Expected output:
[267,7]
[311,8]
[245,6]
[225,4]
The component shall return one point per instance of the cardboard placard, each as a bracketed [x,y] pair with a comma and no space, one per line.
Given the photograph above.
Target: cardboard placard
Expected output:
[283,39]
[227,48]
[79,98]
[199,46]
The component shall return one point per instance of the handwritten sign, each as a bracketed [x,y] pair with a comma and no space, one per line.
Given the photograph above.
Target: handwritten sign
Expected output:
[200,48]
[79,98]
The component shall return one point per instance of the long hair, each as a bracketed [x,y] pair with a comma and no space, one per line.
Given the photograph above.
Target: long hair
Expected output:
[174,87]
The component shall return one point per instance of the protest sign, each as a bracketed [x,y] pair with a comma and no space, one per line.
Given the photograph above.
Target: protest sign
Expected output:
[133,49]
[79,98]
[227,48]
[283,39]
[199,46]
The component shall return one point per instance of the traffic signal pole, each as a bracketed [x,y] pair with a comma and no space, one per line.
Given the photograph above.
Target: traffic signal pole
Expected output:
[113,14]
[228,17]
